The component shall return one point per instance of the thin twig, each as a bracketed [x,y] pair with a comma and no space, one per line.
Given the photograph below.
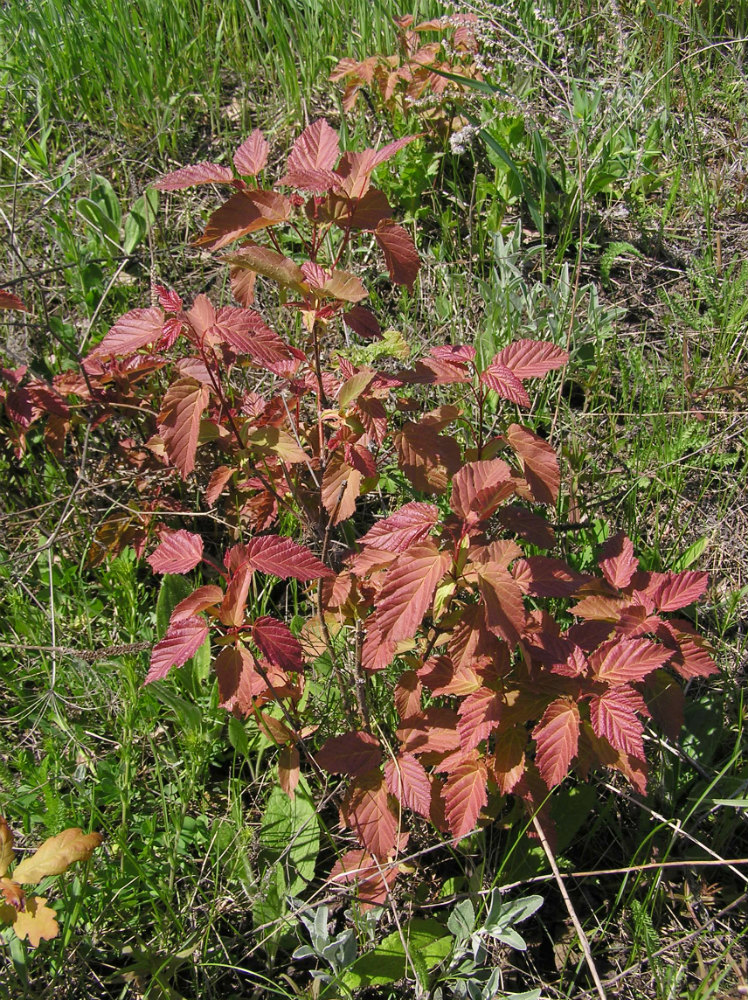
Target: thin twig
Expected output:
[584,943]
[87,655]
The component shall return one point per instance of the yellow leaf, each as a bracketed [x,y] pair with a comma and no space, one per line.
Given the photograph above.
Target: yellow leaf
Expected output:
[277,442]
[37,922]
[6,847]
[352,389]
[57,854]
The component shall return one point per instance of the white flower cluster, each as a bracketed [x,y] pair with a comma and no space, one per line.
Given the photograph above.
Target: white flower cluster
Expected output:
[459,141]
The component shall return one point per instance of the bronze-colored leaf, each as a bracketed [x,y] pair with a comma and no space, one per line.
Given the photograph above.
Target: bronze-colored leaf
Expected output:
[56,855]
[6,847]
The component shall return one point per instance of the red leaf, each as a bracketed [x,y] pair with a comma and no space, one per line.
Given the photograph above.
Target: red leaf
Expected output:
[556,740]
[312,158]
[178,552]
[372,880]
[400,253]
[678,590]
[502,601]
[353,754]
[10,301]
[441,676]
[599,608]
[408,694]
[619,661]
[363,322]
[427,458]
[542,576]
[691,652]
[539,462]
[245,332]
[251,157]
[20,407]
[238,681]
[617,561]
[465,795]
[245,212]
[356,169]
[377,652]
[531,358]
[197,173]
[358,212]
[505,382]
[385,153]
[366,809]
[480,713]
[341,485]
[462,353]
[205,597]
[218,479]
[179,422]
[407,526]
[433,731]
[277,643]
[361,459]
[613,715]
[182,640]
[235,600]
[408,590]
[168,299]
[532,527]
[284,558]
[435,371]
[480,486]
[132,331]
[408,782]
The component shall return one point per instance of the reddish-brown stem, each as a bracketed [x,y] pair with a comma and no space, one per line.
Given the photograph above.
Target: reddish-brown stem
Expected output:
[215,379]
[323,624]
[321,399]
[481,398]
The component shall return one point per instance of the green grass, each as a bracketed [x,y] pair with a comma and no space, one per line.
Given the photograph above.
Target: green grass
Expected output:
[165,72]
[643,151]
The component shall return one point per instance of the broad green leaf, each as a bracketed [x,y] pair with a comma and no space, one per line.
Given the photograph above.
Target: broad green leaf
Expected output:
[289,833]
[461,920]
[188,714]
[387,962]
[238,736]
[270,907]
[140,219]
[104,194]
[692,554]
[94,214]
